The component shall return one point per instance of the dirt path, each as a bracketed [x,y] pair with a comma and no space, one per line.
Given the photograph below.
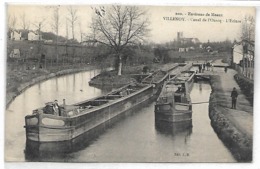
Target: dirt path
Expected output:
[242,116]
[233,126]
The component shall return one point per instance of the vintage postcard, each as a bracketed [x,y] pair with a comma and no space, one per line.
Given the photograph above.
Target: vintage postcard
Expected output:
[129,83]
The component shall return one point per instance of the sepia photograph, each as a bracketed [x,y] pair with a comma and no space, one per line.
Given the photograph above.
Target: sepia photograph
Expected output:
[118,83]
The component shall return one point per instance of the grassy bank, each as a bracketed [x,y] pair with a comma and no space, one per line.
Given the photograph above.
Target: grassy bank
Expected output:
[239,143]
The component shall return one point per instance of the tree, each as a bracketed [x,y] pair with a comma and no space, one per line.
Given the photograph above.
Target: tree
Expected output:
[248,29]
[12,20]
[39,26]
[81,39]
[162,54]
[25,24]
[248,37]
[55,25]
[118,27]
[72,19]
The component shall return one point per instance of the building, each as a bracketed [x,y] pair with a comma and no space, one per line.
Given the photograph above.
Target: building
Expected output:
[209,49]
[15,53]
[33,36]
[16,35]
[243,57]
[237,53]
[182,40]
[243,50]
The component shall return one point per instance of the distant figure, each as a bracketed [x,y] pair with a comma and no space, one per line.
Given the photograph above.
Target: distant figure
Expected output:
[208,65]
[200,67]
[212,67]
[203,67]
[234,95]
[225,69]
[56,108]
[146,69]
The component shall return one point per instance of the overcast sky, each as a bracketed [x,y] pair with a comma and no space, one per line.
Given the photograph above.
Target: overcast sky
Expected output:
[163,27]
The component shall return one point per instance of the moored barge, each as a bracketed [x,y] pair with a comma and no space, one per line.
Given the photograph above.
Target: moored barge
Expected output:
[74,120]
[173,105]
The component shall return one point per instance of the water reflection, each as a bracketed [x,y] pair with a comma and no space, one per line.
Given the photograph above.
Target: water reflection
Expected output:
[174,128]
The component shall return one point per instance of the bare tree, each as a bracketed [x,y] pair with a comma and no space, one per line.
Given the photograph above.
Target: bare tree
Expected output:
[119,26]
[39,26]
[81,39]
[248,28]
[12,21]
[81,33]
[25,24]
[56,25]
[67,36]
[248,36]
[72,19]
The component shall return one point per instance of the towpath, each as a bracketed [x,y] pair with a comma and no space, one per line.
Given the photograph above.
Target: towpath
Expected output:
[242,116]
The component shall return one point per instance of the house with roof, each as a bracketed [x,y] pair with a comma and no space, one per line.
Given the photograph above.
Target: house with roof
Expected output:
[16,35]
[34,36]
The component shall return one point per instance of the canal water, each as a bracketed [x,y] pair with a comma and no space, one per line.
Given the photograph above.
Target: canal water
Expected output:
[132,139]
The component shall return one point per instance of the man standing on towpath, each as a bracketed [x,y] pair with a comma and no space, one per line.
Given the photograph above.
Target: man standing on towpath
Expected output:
[234,95]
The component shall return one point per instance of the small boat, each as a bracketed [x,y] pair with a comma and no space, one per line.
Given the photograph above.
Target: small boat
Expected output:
[173,105]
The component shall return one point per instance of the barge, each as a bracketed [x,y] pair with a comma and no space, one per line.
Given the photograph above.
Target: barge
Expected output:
[74,120]
[173,106]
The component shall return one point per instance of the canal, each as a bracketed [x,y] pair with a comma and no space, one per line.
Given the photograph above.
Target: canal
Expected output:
[132,139]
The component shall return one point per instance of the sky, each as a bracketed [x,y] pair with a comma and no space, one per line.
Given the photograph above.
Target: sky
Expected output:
[164,22]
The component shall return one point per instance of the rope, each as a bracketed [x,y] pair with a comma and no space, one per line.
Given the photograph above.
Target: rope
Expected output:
[200,102]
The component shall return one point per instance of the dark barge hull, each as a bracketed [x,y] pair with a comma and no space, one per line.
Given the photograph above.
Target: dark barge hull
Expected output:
[171,115]
[36,150]
[50,128]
